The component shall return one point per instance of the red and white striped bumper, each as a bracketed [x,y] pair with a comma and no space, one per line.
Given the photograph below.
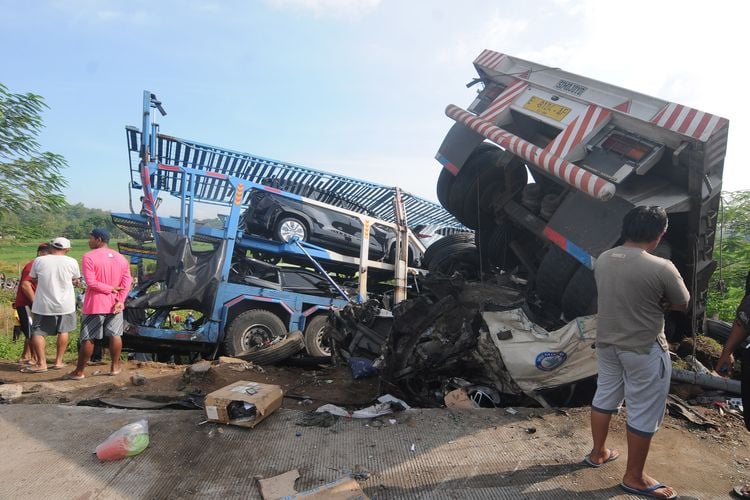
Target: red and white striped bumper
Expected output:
[573,175]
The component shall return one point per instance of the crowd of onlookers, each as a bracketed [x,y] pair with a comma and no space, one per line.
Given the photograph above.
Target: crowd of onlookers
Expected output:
[46,303]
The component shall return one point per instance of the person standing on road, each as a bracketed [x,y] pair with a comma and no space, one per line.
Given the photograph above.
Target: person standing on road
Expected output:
[108,280]
[634,290]
[738,333]
[54,306]
[22,305]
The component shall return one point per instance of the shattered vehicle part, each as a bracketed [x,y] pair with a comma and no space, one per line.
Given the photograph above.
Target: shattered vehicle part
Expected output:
[360,330]
[537,359]
[435,338]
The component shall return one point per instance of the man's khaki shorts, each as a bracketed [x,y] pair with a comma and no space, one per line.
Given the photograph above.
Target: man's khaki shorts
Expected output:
[641,380]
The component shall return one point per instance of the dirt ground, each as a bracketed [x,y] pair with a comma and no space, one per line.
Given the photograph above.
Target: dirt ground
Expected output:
[721,455]
[302,387]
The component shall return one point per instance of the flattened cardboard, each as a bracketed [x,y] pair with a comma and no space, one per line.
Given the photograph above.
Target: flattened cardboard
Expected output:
[458,398]
[266,398]
[344,488]
[281,486]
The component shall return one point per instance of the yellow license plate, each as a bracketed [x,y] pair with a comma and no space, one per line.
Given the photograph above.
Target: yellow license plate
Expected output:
[546,108]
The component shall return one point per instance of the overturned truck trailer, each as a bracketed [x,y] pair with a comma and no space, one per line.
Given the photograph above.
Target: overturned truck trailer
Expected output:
[544,164]
[593,152]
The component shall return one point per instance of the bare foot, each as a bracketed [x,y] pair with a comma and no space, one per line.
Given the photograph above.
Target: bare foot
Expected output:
[598,459]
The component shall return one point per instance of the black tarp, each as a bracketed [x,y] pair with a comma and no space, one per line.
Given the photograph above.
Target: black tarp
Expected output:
[190,278]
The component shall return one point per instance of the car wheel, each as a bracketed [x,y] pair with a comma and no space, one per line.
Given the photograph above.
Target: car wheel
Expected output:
[317,338]
[260,336]
[287,227]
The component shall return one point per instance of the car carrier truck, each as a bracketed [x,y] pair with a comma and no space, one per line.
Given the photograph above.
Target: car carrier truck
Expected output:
[244,304]
[544,164]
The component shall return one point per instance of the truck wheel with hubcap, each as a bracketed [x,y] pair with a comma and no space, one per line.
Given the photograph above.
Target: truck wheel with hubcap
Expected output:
[317,338]
[260,336]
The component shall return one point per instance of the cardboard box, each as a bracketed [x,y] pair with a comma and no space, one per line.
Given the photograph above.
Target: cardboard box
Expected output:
[243,403]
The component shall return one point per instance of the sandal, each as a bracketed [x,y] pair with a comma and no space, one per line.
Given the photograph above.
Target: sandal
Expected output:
[70,376]
[29,369]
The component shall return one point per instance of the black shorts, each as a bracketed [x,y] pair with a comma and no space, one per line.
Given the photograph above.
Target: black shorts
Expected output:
[24,317]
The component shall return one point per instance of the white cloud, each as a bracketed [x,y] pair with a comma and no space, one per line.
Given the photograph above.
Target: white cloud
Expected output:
[328,8]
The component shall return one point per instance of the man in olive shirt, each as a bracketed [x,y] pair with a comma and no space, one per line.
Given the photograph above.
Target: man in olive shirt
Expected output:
[634,289]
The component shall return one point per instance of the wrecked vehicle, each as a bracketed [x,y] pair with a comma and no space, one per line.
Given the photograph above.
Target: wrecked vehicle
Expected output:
[237,304]
[593,151]
[543,165]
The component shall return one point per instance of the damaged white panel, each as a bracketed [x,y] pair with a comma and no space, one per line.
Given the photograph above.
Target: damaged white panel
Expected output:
[538,359]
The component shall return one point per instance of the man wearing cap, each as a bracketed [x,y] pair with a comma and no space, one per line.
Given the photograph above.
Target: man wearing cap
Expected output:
[54,306]
[22,304]
[108,280]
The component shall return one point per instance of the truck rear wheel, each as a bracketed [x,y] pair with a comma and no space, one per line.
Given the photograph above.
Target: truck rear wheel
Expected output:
[494,243]
[554,273]
[443,242]
[444,185]
[447,179]
[579,298]
[462,258]
[260,336]
[464,190]
[317,338]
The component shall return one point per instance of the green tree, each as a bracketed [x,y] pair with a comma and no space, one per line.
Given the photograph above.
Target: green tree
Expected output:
[727,285]
[29,178]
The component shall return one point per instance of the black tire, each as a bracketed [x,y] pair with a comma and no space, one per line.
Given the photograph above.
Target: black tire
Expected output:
[553,275]
[579,298]
[317,339]
[289,225]
[260,336]
[462,258]
[444,185]
[508,176]
[719,331]
[494,243]
[444,242]
[288,347]
[464,190]
[446,180]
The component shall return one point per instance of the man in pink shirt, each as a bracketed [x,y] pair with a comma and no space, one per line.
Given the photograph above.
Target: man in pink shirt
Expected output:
[107,276]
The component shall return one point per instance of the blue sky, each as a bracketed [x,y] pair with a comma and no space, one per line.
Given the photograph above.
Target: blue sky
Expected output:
[353,87]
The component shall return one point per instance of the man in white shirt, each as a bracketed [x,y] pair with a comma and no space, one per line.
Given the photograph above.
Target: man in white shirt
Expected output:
[54,307]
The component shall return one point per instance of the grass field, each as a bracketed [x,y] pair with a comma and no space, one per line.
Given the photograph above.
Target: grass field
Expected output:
[14,254]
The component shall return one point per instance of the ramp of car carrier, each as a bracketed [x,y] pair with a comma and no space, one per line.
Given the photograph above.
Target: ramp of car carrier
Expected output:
[353,194]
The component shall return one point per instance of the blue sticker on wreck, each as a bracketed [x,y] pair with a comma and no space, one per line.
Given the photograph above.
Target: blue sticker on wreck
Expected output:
[548,361]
